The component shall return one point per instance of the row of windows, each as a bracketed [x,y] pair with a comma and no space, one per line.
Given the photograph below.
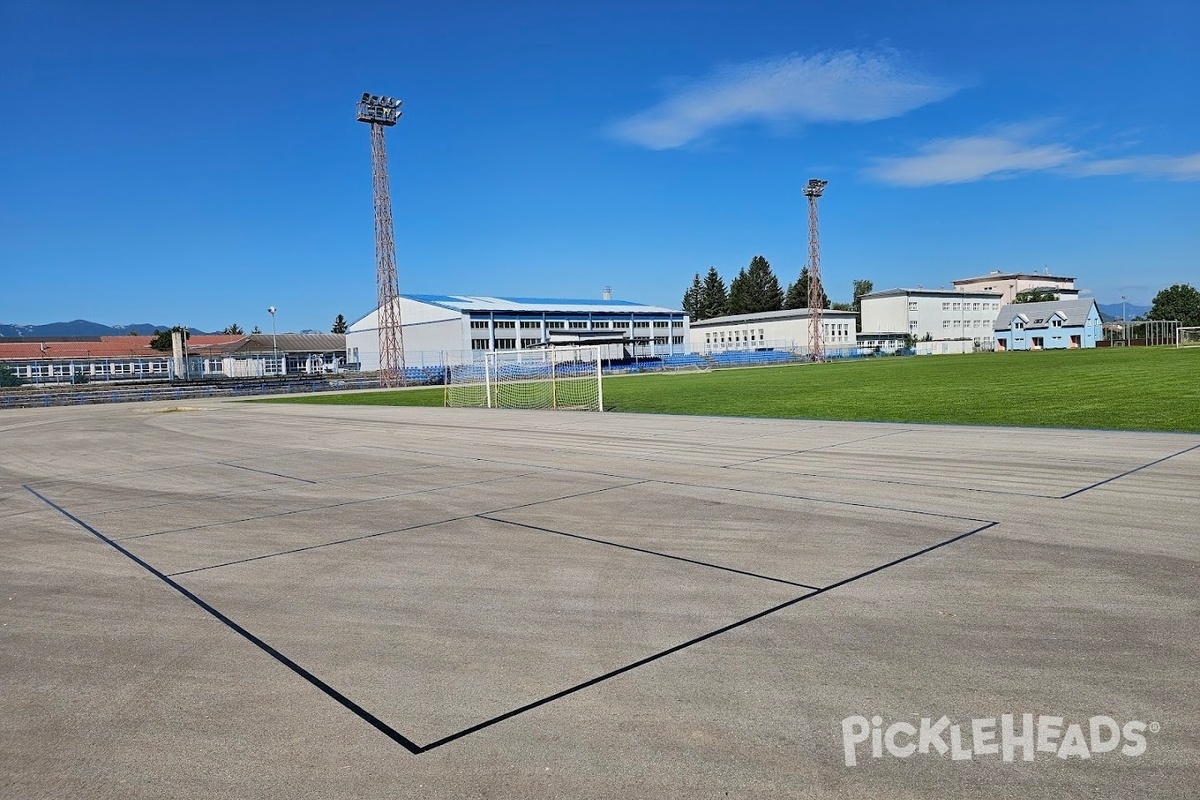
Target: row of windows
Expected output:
[966,323]
[482,324]
[952,306]
[65,370]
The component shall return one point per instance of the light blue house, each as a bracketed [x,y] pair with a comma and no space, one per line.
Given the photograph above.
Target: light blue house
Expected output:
[1057,325]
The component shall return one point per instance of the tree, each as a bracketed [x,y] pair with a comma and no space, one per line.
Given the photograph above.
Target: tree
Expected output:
[797,293]
[1035,296]
[162,339]
[714,298]
[843,307]
[755,289]
[133,332]
[233,330]
[862,287]
[255,330]
[339,325]
[8,377]
[1181,302]
[691,298]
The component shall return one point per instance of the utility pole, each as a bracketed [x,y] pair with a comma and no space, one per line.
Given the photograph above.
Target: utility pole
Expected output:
[380,112]
[816,345]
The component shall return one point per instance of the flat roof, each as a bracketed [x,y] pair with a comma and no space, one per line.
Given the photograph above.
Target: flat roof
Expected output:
[765,316]
[1006,276]
[931,292]
[486,303]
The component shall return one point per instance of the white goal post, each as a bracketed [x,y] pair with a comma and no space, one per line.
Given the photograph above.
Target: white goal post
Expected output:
[562,377]
[1187,337]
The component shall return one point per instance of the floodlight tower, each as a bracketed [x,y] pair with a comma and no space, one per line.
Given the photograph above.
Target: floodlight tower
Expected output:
[380,112]
[816,347]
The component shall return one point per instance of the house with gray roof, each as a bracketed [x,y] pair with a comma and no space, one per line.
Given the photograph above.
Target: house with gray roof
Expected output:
[1063,324]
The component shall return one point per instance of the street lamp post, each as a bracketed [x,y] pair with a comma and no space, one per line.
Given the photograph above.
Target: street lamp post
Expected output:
[1124,323]
[274,345]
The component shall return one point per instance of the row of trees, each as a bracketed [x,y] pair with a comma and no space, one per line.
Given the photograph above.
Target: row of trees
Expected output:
[756,289]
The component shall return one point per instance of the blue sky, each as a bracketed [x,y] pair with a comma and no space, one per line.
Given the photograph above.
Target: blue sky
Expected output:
[193,163]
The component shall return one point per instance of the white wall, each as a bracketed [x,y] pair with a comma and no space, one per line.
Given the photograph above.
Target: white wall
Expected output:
[710,336]
[941,315]
[1011,287]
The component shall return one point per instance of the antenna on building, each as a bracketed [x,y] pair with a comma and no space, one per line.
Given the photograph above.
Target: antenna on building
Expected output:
[607,294]
[816,349]
[378,112]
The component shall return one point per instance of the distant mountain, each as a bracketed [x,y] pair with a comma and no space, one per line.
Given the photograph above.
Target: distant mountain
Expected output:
[79,327]
[1113,311]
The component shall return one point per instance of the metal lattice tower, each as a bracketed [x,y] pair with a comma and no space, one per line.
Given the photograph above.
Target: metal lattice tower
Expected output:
[380,112]
[816,344]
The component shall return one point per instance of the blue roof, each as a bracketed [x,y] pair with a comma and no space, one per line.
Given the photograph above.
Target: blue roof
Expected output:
[484,303]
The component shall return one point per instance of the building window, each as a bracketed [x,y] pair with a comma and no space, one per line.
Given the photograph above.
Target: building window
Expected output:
[506,323]
[956,306]
[479,324]
[662,323]
[912,306]
[596,324]
[479,344]
[676,340]
[506,344]
[945,323]
[530,324]
[660,339]
[677,323]
[555,325]
[578,324]
[620,323]
[974,306]
[641,324]
[530,342]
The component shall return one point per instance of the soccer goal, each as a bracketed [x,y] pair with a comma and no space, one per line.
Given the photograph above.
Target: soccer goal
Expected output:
[567,377]
[1187,337]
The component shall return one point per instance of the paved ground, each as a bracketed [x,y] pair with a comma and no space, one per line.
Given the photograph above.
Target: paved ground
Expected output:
[283,601]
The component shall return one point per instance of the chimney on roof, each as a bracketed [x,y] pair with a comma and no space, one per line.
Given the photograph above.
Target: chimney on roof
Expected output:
[607,294]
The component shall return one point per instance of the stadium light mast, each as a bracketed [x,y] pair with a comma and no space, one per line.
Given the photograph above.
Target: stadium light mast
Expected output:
[380,112]
[816,345]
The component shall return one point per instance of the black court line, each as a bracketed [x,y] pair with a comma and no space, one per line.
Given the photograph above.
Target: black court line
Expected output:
[321,685]
[396,530]
[702,638]
[1129,472]
[642,550]
[407,743]
[265,472]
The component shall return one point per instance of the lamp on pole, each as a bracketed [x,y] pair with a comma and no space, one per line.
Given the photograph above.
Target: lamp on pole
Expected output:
[1124,324]
[274,346]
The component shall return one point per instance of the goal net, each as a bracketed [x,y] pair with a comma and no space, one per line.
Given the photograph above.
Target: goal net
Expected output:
[553,378]
[1187,337]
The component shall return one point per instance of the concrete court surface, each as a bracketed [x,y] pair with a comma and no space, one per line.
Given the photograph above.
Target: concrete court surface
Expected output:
[251,600]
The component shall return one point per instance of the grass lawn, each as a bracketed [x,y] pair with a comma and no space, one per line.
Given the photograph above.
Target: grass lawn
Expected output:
[1124,388]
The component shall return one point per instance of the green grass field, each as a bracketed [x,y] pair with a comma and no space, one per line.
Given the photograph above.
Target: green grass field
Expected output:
[1122,388]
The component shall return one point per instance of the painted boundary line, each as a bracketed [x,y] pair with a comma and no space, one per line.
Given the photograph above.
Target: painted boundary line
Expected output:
[321,685]
[1129,472]
[405,742]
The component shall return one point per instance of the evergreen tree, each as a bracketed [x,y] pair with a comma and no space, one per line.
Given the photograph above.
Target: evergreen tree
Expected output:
[739,293]
[255,329]
[691,298]
[763,292]
[162,339]
[339,325]
[233,330]
[714,298]
[797,293]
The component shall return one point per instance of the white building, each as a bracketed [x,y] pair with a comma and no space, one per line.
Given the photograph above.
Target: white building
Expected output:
[1010,284]
[780,330]
[938,314]
[454,328]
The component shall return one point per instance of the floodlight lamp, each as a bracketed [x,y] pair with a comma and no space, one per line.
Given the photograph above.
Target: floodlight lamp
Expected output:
[271,310]
[366,96]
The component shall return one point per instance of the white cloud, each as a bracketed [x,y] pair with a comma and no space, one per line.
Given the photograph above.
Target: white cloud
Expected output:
[1009,151]
[843,86]
[1174,168]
